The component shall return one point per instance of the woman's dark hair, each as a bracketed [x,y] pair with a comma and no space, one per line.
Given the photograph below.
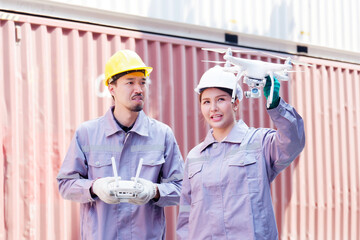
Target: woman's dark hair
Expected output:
[227,90]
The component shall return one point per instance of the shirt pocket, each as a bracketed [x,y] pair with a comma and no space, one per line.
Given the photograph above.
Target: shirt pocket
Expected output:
[243,175]
[100,165]
[194,169]
[152,165]
[195,178]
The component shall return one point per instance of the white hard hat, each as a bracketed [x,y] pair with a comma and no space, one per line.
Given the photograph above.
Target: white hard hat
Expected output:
[218,77]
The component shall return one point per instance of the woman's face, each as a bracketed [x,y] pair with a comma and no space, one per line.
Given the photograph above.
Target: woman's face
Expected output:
[217,109]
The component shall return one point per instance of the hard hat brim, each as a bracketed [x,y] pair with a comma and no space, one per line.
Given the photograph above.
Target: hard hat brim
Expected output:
[147,70]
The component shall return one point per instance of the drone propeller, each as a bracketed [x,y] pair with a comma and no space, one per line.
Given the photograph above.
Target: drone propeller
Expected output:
[213,61]
[300,63]
[287,71]
[233,69]
[219,50]
[292,71]
[288,59]
[223,50]
[272,55]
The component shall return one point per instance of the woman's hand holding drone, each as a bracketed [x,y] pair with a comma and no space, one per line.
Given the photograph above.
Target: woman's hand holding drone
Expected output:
[276,99]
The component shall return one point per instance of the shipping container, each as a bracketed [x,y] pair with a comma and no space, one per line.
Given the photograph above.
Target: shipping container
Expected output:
[325,29]
[50,81]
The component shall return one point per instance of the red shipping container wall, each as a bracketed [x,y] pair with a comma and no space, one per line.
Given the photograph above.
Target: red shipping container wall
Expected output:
[50,82]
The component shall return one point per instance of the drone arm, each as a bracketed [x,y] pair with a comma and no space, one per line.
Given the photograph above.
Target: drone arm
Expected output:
[238,77]
[282,77]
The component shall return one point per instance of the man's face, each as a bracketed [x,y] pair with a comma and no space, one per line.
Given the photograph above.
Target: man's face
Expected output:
[129,92]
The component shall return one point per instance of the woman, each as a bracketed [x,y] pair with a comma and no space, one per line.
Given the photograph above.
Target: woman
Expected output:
[226,187]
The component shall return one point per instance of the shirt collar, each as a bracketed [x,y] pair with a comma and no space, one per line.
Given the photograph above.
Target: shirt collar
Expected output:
[236,135]
[141,125]
[111,126]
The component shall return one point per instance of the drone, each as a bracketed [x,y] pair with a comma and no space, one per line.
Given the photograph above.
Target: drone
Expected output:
[254,72]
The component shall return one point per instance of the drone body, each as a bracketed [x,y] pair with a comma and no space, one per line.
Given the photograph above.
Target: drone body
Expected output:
[256,68]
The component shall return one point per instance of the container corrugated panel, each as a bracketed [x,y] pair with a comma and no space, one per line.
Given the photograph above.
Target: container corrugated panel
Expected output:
[331,24]
[50,82]
[320,195]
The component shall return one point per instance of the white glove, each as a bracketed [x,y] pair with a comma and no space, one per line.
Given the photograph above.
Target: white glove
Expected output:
[102,190]
[147,194]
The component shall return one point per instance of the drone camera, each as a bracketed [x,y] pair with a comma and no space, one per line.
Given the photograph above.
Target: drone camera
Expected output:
[253,93]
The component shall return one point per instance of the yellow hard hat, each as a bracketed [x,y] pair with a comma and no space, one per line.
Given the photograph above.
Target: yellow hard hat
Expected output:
[123,61]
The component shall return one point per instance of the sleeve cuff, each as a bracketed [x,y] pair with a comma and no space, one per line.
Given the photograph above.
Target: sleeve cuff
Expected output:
[161,201]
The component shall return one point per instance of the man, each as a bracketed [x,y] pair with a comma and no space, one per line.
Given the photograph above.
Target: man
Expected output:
[128,135]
